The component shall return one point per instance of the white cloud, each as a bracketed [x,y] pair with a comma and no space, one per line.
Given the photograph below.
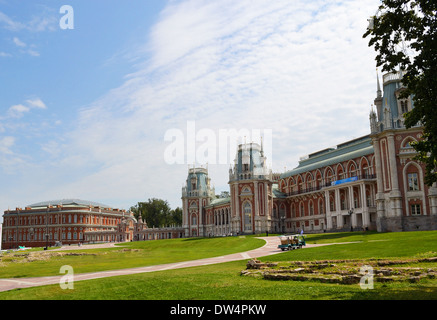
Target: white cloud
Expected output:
[45,20]
[9,23]
[299,68]
[36,103]
[292,68]
[5,144]
[17,111]
[18,42]
[33,53]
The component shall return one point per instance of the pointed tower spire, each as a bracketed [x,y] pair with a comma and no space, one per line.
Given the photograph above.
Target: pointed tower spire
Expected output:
[378,86]
[262,149]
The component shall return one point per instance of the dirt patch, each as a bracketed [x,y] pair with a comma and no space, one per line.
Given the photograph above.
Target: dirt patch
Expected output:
[39,256]
[344,271]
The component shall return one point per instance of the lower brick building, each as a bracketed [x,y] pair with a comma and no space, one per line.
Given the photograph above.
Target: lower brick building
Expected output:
[74,221]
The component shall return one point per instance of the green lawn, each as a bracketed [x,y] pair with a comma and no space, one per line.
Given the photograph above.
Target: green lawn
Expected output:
[128,255]
[224,282]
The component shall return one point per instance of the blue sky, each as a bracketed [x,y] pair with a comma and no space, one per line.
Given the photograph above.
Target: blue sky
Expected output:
[84,112]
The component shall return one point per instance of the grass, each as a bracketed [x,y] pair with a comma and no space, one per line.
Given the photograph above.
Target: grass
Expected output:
[224,282]
[128,255]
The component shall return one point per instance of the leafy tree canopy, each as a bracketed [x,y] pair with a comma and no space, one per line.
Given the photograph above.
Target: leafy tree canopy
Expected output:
[404,35]
[157,213]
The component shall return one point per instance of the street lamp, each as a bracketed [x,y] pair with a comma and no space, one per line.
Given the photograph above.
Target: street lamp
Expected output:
[47,229]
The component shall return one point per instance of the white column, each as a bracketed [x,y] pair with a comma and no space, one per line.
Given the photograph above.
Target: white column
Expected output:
[255,188]
[365,215]
[328,211]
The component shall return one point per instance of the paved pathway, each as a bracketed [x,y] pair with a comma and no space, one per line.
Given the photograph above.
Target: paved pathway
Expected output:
[271,247]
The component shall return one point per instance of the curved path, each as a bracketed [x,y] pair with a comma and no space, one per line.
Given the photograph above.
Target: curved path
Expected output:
[271,247]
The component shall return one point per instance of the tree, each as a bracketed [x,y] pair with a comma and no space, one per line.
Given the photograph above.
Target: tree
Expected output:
[176,216]
[400,25]
[157,213]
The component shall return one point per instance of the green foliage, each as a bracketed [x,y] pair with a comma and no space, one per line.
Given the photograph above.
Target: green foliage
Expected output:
[157,213]
[410,24]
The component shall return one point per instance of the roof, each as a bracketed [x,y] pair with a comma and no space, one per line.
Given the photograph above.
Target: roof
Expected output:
[219,201]
[65,202]
[346,151]
[276,193]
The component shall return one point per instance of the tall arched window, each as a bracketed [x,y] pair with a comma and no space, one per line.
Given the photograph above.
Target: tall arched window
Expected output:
[321,207]
[247,208]
[311,208]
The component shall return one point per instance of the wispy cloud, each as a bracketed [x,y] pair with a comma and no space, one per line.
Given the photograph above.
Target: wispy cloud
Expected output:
[5,144]
[17,111]
[18,42]
[45,21]
[290,66]
[36,103]
[5,54]
[9,23]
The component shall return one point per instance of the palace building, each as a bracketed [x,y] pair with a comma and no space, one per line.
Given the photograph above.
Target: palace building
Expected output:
[74,221]
[369,183]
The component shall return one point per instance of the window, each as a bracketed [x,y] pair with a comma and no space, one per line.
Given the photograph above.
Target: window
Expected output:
[413,182]
[415,209]
[321,207]
[311,208]
[247,208]
[404,107]
[193,183]
[301,210]
[356,202]
[368,199]
[343,202]
[194,219]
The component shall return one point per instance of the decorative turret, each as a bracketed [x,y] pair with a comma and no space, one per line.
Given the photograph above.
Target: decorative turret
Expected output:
[389,107]
[249,163]
[198,183]
[196,194]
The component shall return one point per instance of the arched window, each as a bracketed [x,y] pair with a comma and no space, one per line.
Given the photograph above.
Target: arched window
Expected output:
[247,209]
[343,203]
[321,207]
[413,181]
[311,208]
[282,211]
[404,106]
[301,209]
